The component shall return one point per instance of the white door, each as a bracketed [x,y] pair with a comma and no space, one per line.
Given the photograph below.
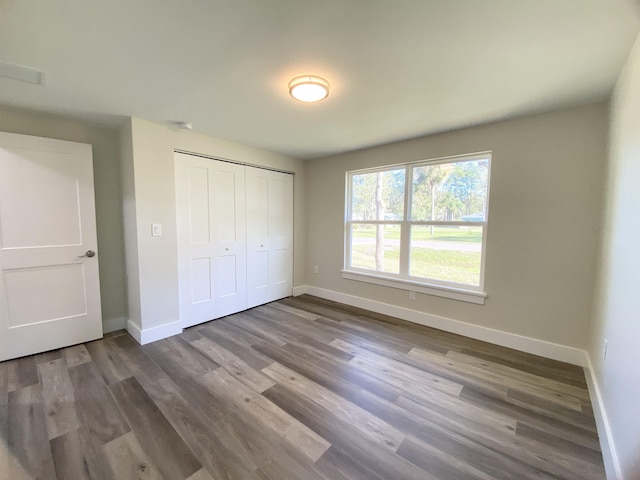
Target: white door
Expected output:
[269,235]
[195,239]
[49,285]
[229,229]
[211,238]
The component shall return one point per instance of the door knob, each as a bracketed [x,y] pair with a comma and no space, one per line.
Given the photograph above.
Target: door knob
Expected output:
[90,253]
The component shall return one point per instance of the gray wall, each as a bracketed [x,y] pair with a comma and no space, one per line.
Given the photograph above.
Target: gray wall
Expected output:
[545,209]
[107,192]
[617,317]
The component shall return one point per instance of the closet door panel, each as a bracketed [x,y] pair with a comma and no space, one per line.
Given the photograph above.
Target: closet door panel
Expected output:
[199,206]
[281,234]
[257,181]
[280,269]
[201,286]
[226,190]
[258,252]
[269,235]
[196,252]
[230,268]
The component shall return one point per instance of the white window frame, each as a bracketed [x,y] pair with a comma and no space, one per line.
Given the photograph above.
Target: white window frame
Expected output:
[404,281]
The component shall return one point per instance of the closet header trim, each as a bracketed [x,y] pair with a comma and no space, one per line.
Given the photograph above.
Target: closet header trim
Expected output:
[211,157]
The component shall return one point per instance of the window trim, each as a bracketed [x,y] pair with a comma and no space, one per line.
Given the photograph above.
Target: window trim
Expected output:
[402,280]
[454,293]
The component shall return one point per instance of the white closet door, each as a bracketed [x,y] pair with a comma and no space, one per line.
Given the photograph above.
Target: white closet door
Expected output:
[210,202]
[229,227]
[269,235]
[196,248]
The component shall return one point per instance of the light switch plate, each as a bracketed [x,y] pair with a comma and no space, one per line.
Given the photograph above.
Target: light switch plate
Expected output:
[156,230]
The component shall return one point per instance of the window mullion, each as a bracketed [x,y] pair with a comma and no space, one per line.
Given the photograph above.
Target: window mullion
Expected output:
[347,214]
[408,181]
[347,243]
[405,228]
[405,247]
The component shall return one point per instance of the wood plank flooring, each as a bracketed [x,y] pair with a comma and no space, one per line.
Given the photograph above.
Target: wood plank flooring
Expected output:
[302,388]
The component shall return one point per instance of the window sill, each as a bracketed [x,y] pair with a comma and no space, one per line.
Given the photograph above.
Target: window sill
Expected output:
[428,289]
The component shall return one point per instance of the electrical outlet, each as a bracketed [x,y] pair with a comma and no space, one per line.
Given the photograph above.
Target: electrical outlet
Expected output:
[412,295]
[316,269]
[605,346]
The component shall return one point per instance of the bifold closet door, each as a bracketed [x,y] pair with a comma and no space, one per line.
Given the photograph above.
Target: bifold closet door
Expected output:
[269,235]
[230,237]
[210,202]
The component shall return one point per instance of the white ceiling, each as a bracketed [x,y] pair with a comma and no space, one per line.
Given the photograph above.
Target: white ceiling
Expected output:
[398,68]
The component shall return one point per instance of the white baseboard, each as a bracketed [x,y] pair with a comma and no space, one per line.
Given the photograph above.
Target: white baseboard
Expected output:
[155,333]
[134,331]
[543,348]
[300,290]
[607,444]
[113,324]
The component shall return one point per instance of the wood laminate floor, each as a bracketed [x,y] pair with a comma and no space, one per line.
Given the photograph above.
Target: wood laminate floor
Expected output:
[302,388]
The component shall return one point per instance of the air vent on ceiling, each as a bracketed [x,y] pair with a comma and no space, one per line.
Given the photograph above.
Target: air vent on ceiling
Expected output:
[20,73]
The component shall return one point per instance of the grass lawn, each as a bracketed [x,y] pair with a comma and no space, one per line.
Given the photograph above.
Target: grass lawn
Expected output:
[447,265]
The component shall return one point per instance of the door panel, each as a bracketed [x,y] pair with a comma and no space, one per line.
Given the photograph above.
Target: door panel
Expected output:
[279,267]
[225,190]
[230,233]
[281,235]
[280,206]
[260,269]
[211,238]
[49,291]
[64,285]
[258,282]
[51,202]
[269,235]
[201,287]
[228,268]
[258,211]
[196,250]
[199,212]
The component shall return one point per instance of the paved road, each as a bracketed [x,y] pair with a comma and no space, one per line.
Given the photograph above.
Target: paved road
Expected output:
[431,244]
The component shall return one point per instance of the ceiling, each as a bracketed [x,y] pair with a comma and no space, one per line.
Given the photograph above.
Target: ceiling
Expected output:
[398,68]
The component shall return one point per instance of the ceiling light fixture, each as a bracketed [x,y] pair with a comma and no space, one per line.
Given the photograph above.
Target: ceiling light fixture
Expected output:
[308,88]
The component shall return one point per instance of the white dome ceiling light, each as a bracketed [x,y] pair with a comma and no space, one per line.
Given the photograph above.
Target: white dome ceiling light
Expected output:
[308,88]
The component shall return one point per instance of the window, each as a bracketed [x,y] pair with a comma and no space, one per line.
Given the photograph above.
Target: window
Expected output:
[420,224]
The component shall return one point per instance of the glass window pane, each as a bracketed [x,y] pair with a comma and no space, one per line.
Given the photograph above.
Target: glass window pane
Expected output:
[449,253]
[450,192]
[376,247]
[378,195]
